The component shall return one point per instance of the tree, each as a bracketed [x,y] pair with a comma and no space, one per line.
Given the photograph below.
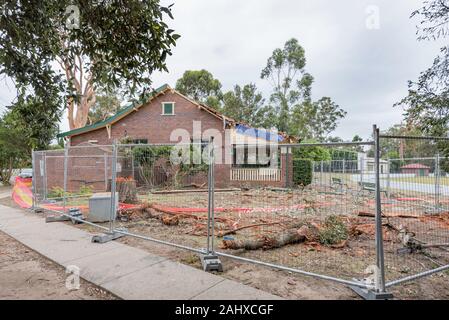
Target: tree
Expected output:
[314,153]
[36,122]
[292,95]
[426,105]
[358,138]
[106,106]
[283,70]
[75,47]
[334,139]
[316,120]
[246,104]
[201,86]
[14,147]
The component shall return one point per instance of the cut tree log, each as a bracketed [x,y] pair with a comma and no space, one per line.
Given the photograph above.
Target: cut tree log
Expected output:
[300,233]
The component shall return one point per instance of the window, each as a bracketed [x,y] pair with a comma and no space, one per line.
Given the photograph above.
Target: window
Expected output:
[252,157]
[168,108]
[140,141]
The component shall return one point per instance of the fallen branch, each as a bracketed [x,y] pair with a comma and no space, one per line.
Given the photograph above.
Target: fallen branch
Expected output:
[182,214]
[390,215]
[195,185]
[194,190]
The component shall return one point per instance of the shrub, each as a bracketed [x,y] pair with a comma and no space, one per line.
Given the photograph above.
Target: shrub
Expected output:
[315,153]
[302,172]
[334,231]
[85,190]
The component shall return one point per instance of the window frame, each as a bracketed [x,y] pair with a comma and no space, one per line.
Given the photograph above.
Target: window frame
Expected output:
[163,108]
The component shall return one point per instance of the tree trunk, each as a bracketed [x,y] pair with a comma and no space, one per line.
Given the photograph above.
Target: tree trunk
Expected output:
[265,242]
[127,191]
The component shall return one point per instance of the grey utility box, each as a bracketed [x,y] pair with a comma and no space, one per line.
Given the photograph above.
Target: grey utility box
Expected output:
[100,207]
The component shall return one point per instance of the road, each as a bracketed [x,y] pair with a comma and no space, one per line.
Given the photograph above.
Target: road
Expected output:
[406,186]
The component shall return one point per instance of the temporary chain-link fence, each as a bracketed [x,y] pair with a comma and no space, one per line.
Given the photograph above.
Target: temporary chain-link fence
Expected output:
[367,214]
[415,203]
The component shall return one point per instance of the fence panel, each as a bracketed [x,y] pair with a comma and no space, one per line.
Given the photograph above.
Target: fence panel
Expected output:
[38,176]
[48,177]
[308,221]
[163,192]
[415,206]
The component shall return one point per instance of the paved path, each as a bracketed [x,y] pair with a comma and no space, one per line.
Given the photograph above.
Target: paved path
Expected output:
[125,271]
[5,194]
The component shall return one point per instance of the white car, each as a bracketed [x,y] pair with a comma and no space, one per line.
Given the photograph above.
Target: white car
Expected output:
[23,173]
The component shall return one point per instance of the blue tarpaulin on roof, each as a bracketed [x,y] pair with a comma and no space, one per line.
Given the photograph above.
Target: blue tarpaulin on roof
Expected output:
[258,133]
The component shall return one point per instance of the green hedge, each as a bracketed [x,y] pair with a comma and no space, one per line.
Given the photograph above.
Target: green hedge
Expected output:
[302,172]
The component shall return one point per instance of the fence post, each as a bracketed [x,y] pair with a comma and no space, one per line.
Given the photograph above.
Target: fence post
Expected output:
[132,163]
[209,197]
[321,173]
[380,283]
[106,172]
[287,173]
[361,168]
[64,195]
[212,211]
[44,156]
[437,182]
[209,260]
[388,177]
[113,187]
[33,180]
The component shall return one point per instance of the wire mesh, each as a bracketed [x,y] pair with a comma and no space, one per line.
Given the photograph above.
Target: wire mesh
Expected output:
[163,192]
[415,205]
[308,208]
[48,176]
[300,209]
[66,179]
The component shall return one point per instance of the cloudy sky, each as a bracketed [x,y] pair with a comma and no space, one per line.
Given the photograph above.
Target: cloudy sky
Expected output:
[362,66]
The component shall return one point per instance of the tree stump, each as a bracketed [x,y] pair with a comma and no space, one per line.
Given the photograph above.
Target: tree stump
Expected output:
[127,190]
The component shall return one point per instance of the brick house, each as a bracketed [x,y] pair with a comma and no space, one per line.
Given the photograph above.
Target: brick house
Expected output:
[167,115]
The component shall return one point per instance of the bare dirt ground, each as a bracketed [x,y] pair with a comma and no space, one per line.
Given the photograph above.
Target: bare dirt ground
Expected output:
[25,274]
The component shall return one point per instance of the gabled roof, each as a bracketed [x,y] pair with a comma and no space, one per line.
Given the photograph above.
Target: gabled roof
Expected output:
[119,115]
[161,90]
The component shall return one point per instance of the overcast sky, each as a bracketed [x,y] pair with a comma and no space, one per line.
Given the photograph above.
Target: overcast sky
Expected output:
[363,69]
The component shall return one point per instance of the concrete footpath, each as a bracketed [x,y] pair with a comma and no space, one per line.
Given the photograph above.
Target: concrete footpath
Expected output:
[127,272]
